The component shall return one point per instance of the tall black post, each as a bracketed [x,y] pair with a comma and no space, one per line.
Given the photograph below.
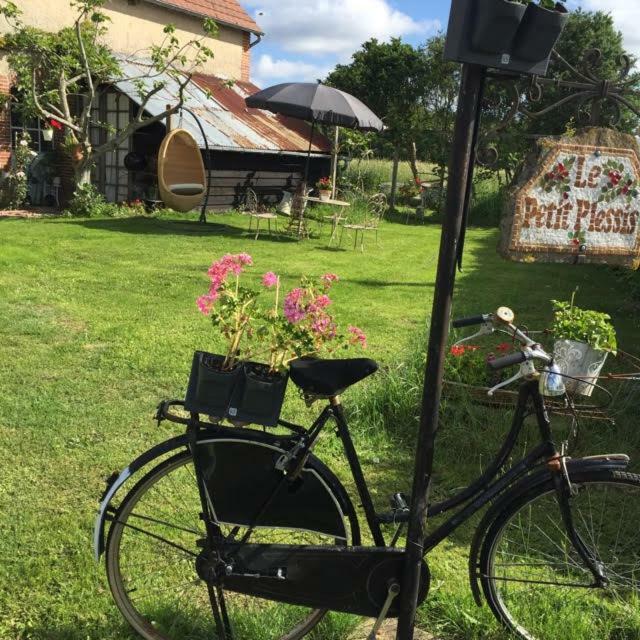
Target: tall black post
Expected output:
[460,163]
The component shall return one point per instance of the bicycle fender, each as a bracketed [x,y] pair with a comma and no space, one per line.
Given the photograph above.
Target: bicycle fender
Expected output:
[538,478]
[114,484]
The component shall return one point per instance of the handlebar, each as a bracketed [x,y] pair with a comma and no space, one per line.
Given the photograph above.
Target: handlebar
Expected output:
[503,321]
[470,322]
[507,361]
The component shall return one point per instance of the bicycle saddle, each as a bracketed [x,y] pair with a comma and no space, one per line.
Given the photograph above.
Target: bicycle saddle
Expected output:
[330,377]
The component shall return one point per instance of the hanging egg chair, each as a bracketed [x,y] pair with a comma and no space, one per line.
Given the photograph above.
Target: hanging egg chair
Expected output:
[181,172]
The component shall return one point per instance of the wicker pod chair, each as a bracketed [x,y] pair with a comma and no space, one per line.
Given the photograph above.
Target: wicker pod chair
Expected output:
[181,172]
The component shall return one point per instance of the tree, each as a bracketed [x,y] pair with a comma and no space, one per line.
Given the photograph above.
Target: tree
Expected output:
[584,31]
[438,102]
[389,78]
[60,76]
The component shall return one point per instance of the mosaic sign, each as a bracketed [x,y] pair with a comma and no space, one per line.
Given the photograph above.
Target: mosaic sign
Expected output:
[581,201]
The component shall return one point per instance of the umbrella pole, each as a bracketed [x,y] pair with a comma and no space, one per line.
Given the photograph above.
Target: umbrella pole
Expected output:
[306,175]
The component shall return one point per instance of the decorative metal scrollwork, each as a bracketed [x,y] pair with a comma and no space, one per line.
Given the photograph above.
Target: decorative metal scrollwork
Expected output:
[595,100]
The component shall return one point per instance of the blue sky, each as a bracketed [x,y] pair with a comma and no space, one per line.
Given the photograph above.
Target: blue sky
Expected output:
[305,39]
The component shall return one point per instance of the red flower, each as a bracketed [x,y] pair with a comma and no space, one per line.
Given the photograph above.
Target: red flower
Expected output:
[457,350]
[56,125]
[504,346]
[576,241]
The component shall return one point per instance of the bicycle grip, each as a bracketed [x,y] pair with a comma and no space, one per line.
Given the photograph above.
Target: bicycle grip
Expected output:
[507,361]
[468,322]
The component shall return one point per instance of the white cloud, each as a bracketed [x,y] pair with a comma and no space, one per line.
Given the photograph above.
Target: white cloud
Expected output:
[267,71]
[334,27]
[626,16]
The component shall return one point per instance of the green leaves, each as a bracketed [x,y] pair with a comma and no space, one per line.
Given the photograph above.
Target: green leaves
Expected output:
[593,327]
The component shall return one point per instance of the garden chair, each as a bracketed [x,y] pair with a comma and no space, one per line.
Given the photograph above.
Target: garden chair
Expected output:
[255,212]
[376,208]
[297,224]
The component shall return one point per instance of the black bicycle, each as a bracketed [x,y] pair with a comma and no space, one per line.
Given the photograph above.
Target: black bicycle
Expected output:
[235,533]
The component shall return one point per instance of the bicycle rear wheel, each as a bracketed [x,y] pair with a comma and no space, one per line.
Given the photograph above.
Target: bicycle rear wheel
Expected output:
[150,555]
[534,580]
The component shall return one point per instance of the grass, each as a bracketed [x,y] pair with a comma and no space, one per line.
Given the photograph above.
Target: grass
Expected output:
[370,173]
[97,323]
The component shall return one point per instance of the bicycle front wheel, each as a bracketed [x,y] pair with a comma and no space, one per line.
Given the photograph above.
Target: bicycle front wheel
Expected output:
[534,580]
[150,555]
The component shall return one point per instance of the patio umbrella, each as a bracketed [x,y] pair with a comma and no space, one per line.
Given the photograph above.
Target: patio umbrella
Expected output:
[317,103]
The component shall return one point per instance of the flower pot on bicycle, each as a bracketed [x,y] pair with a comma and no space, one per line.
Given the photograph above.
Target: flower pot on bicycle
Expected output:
[259,397]
[210,387]
[581,363]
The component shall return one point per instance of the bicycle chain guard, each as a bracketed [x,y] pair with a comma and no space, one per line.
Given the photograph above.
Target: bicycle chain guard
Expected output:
[352,580]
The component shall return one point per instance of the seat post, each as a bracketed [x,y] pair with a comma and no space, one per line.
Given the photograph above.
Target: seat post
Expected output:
[356,471]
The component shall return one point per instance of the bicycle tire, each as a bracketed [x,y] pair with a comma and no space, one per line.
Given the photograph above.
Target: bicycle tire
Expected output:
[193,617]
[533,579]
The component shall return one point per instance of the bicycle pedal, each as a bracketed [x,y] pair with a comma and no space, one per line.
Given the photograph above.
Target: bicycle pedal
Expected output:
[399,502]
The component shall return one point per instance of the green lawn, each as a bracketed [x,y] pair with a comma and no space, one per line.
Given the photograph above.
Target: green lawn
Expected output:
[98,323]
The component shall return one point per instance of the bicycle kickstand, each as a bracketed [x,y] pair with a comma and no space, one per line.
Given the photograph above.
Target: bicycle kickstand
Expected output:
[392,594]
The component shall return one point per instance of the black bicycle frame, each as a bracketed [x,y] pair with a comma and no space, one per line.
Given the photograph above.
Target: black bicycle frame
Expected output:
[494,481]
[479,492]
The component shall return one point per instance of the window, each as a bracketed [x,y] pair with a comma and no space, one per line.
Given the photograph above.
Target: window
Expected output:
[33,126]
[113,109]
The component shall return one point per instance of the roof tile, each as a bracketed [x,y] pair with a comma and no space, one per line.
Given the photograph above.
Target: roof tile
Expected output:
[228,11]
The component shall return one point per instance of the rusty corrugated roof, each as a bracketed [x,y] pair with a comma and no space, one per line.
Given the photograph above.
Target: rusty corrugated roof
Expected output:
[225,11]
[284,133]
[227,123]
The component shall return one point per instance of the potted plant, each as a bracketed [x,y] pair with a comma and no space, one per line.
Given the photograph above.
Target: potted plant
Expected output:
[540,29]
[214,377]
[583,339]
[50,128]
[47,133]
[325,188]
[248,383]
[495,25]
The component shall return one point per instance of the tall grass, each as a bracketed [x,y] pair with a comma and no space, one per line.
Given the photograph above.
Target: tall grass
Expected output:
[369,174]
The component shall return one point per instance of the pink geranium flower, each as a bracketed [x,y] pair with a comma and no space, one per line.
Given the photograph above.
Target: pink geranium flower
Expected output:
[358,336]
[269,280]
[294,310]
[328,279]
[322,301]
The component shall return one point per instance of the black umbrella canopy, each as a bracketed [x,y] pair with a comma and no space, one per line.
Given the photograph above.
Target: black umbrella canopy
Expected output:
[316,102]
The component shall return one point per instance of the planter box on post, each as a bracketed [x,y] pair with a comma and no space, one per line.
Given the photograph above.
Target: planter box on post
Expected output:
[539,31]
[579,360]
[259,397]
[210,390]
[495,25]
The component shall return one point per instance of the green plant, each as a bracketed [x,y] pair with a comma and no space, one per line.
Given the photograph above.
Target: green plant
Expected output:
[468,364]
[87,201]
[302,328]
[324,184]
[582,325]
[408,190]
[552,5]
[17,182]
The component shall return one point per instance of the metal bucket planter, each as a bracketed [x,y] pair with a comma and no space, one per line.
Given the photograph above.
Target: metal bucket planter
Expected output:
[259,398]
[579,360]
[495,25]
[539,32]
[210,389]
